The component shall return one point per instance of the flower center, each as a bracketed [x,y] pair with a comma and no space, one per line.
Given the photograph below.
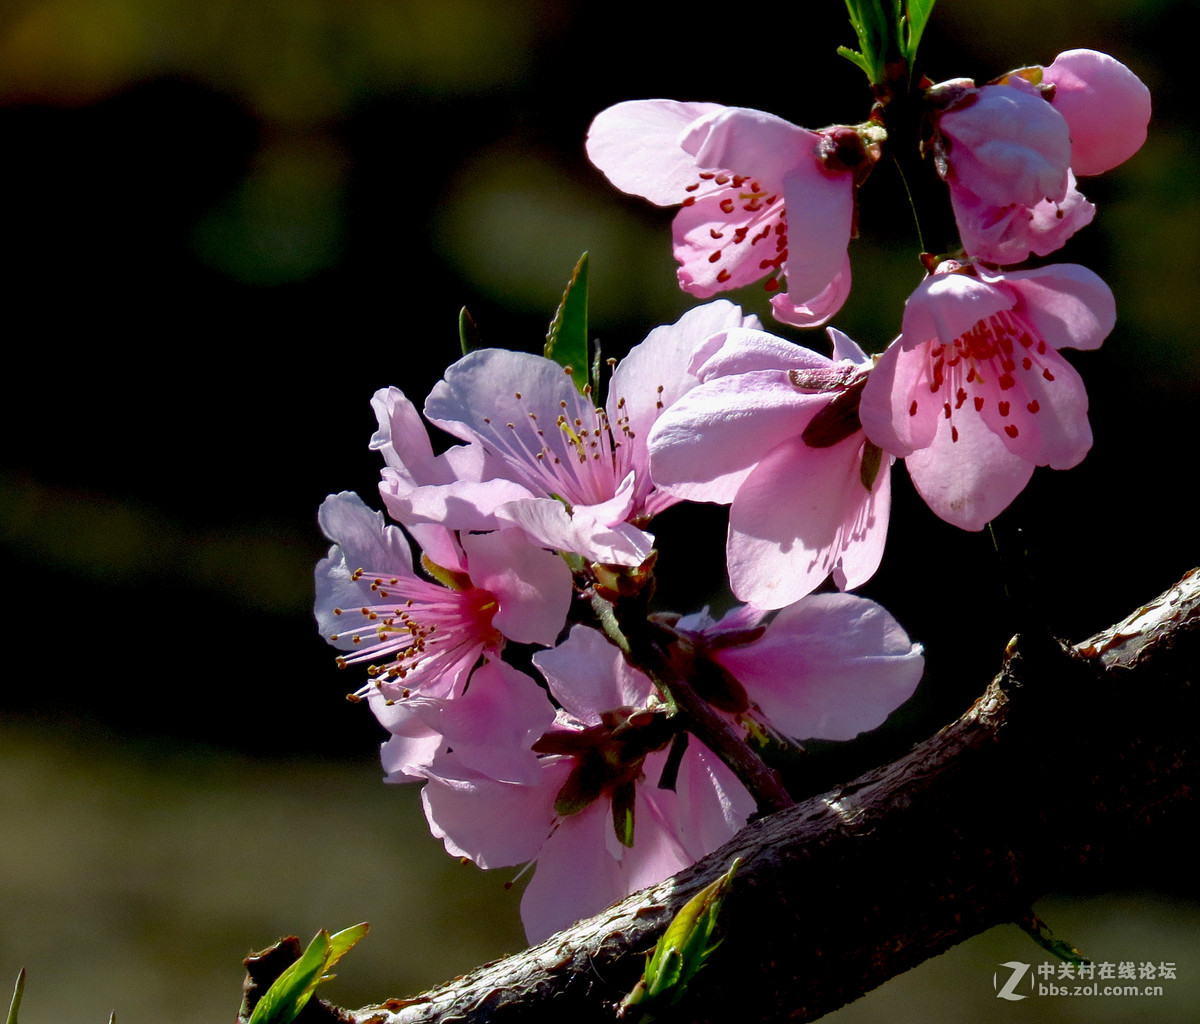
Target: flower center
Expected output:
[756,216]
[990,369]
[416,624]
[576,460]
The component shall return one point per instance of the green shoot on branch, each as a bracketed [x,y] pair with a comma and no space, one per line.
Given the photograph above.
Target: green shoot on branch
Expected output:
[290,992]
[887,31]
[682,951]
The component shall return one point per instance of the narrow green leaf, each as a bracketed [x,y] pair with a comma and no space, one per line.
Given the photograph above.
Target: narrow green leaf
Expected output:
[15,1004]
[340,943]
[855,58]
[468,332]
[284,1000]
[566,341]
[918,17]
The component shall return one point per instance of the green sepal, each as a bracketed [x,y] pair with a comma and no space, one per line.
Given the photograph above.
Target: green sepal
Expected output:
[15,1005]
[578,792]
[469,338]
[566,340]
[872,462]
[291,991]
[451,578]
[683,948]
[623,798]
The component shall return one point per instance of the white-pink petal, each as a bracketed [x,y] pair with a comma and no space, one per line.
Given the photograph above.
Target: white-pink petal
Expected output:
[814,310]
[947,305]
[708,443]
[820,217]
[588,675]
[750,142]
[637,146]
[495,824]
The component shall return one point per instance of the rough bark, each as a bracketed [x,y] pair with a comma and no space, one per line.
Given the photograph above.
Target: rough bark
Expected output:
[1069,753]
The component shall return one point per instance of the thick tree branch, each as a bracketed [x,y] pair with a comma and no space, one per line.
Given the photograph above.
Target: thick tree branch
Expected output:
[1068,753]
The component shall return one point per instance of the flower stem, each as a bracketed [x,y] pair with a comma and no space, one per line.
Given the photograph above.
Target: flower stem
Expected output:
[644,646]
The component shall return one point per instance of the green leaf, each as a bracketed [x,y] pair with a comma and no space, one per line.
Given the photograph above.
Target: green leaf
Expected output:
[340,943]
[15,1004]
[566,341]
[916,19]
[875,30]
[857,59]
[291,991]
[683,948]
[468,332]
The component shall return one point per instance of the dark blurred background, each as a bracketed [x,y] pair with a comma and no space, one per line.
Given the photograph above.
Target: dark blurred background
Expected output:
[224,225]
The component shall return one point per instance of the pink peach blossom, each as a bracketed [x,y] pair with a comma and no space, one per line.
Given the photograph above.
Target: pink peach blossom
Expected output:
[829,666]
[541,457]
[759,196]
[1002,143]
[773,431]
[974,393]
[582,864]
[418,634]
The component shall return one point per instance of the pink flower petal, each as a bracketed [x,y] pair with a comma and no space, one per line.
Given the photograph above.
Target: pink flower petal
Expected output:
[1009,234]
[588,676]
[947,305]
[1105,104]
[492,726]
[1068,305]
[713,437]
[972,480]
[829,666]
[820,205]
[721,242]
[796,514]
[750,142]
[575,875]
[464,809]
[532,586]
[813,310]
[1007,145]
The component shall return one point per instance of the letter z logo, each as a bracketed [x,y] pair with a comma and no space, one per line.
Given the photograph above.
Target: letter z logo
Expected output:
[1019,971]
